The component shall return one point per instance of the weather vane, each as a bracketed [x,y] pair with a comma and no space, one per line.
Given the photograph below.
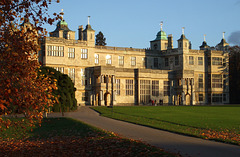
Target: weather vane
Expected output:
[183,30]
[62,14]
[161,24]
[88,19]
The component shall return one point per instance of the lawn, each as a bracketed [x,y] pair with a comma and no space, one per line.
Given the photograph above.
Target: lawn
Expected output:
[221,123]
[68,137]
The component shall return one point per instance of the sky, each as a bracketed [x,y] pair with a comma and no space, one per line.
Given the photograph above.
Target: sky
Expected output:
[134,23]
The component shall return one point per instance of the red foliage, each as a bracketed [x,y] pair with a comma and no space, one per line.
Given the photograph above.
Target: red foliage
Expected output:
[76,146]
[22,90]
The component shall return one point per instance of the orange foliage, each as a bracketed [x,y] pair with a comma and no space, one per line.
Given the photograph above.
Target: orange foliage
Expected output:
[226,135]
[22,90]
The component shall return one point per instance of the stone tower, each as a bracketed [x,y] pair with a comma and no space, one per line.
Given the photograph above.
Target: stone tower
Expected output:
[161,41]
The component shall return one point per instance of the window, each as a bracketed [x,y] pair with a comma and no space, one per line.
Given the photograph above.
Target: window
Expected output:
[166,88]
[145,91]
[108,59]
[200,81]
[217,98]
[71,52]
[61,69]
[133,61]
[71,74]
[155,62]
[55,51]
[216,81]
[129,87]
[176,60]
[166,62]
[191,60]
[224,62]
[200,60]
[121,60]
[224,97]
[84,96]
[216,61]
[118,86]
[144,62]
[83,80]
[84,53]
[155,88]
[200,97]
[96,56]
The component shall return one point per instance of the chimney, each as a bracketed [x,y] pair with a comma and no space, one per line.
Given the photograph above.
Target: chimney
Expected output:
[170,42]
[80,32]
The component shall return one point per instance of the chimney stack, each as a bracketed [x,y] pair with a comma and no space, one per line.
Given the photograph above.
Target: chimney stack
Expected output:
[170,42]
[80,32]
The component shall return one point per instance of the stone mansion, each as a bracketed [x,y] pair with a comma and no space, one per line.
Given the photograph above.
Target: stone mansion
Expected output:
[105,76]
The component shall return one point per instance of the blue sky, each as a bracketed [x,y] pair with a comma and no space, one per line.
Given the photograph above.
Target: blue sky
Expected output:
[133,23]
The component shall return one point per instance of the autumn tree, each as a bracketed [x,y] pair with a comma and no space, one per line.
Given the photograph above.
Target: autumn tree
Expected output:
[23,91]
[234,74]
[100,39]
[65,91]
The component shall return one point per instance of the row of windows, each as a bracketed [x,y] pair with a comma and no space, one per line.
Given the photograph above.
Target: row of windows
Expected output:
[144,88]
[216,98]
[215,61]
[55,51]
[109,60]
[59,52]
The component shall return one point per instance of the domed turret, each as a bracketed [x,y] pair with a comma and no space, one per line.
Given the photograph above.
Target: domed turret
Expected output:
[161,35]
[62,30]
[223,45]
[204,45]
[161,41]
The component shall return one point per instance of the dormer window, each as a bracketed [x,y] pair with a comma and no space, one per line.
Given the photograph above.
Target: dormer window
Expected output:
[180,44]
[155,46]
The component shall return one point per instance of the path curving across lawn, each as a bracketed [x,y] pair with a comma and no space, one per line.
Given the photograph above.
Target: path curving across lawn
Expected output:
[220,123]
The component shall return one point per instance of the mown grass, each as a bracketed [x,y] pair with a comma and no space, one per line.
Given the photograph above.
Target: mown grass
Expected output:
[68,137]
[220,123]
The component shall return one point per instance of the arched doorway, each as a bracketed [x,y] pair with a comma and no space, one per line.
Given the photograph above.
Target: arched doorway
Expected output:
[97,100]
[188,99]
[107,99]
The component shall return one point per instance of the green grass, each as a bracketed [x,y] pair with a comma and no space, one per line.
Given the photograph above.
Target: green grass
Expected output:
[69,136]
[50,127]
[189,120]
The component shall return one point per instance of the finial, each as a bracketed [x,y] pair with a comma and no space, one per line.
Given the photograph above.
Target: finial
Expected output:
[161,24]
[183,30]
[62,14]
[88,19]
[204,37]
[223,34]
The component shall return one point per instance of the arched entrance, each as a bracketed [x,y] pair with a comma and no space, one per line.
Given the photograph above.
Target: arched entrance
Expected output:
[107,99]
[188,99]
[97,100]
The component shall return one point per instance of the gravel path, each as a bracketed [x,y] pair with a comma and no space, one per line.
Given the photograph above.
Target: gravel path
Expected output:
[185,145]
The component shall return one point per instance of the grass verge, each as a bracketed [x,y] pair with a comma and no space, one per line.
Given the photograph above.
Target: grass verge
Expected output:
[68,137]
[220,123]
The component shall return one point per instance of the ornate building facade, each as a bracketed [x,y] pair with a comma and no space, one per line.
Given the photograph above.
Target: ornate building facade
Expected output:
[105,76]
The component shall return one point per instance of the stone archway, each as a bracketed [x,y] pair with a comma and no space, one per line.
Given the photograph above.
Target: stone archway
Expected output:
[107,99]
[188,99]
[97,100]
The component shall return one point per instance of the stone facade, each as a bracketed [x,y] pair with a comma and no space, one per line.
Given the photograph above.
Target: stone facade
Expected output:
[105,76]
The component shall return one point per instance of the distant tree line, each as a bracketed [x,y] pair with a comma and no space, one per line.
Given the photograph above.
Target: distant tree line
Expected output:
[100,39]
[234,74]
